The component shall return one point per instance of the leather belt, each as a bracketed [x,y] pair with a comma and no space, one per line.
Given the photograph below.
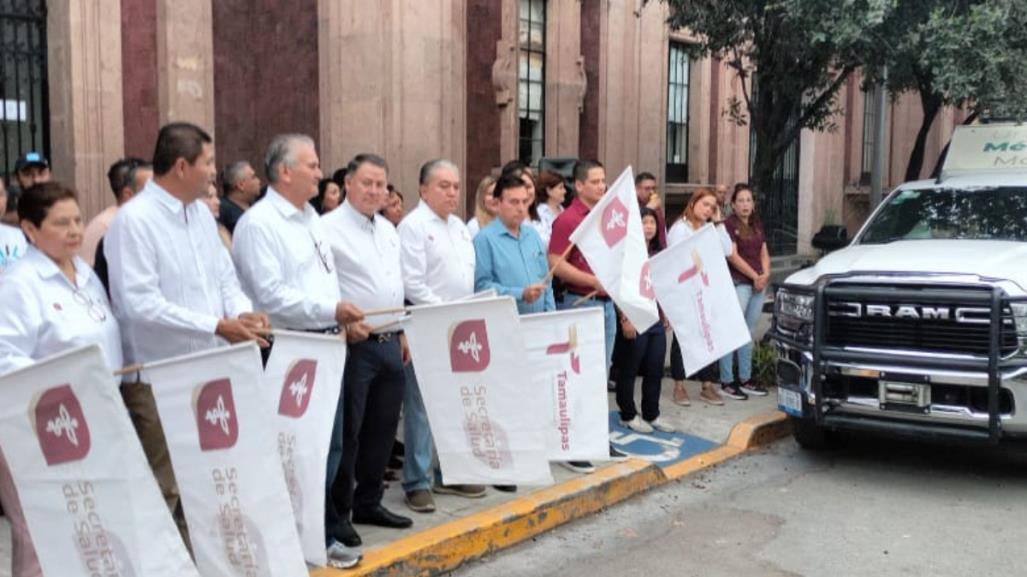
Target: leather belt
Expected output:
[385,337]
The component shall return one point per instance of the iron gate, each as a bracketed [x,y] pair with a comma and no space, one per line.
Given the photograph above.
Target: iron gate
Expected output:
[778,205]
[24,90]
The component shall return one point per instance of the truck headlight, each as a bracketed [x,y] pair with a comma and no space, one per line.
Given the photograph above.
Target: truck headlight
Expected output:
[1020,316]
[797,306]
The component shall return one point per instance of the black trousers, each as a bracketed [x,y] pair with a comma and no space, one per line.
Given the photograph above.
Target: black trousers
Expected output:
[710,372]
[373,385]
[642,355]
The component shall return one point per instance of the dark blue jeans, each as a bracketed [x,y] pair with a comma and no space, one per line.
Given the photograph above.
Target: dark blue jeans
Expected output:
[373,385]
[677,366]
[642,355]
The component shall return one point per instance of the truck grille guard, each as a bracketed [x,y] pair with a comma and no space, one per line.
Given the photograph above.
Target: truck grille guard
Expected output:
[994,299]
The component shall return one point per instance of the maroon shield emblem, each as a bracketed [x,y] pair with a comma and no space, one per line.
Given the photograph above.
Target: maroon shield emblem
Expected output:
[297,388]
[61,426]
[614,222]
[645,283]
[215,416]
[469,347]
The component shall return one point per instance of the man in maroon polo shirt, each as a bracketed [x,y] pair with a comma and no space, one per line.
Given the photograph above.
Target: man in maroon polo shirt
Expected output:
[577,277]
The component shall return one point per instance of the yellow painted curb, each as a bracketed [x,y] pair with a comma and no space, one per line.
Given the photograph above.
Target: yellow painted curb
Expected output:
[447,546]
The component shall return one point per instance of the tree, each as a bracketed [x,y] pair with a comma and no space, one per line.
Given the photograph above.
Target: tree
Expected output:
[954,53]
[792,57]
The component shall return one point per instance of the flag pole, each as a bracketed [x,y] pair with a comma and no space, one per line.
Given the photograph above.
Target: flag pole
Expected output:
[559,261]
[584,298]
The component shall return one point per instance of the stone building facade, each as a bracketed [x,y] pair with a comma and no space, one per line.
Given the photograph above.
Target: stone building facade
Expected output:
[478,81]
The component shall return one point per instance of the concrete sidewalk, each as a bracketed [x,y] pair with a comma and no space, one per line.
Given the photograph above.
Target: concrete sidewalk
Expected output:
[461,529]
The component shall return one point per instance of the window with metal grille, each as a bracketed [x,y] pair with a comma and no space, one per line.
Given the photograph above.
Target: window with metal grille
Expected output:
[778,200]
[531,97]
[870,97]
[677,113]
[24,92]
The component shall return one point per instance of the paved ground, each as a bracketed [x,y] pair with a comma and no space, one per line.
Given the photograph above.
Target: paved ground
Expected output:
[875,508]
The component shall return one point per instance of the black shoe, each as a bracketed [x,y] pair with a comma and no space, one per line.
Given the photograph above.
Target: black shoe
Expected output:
[732,391]
[381,517]
[754,389]
[616,455]
[345,533]
[505,488]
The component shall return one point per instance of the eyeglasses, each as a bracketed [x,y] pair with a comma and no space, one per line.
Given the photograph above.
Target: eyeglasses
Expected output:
[96,310]
[321,253]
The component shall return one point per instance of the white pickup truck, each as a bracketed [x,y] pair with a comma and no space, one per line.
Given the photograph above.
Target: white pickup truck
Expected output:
[919,326]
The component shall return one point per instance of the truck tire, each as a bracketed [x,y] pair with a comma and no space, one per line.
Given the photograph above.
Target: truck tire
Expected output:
[812,437]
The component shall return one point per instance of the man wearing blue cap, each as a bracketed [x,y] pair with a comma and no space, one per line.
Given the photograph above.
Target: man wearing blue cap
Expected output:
[31,168]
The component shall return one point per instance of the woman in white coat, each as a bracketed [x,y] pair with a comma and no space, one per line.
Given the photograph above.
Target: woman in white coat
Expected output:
[52,301]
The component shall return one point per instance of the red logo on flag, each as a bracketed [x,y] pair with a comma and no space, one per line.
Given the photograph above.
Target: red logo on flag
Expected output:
[571,346]
[614,222]
[469,347]
[296,390]
[695,269]
[645,283]
[215,416]
[61,426]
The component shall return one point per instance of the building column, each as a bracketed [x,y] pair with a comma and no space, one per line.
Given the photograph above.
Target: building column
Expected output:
[87,131]
[505,80]
[185,62]
[393,81]
[566,81]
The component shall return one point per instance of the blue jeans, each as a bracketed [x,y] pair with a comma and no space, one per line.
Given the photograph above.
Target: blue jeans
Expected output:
[752,305]
[418,446]
[332,516]
[609,318]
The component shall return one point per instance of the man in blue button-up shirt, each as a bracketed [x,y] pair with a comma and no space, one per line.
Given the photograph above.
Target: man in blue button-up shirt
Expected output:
[510,257]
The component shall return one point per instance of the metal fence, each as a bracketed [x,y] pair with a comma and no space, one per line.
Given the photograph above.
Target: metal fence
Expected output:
[24,89]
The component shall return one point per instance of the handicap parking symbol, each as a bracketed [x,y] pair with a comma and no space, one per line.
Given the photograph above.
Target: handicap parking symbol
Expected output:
[663,449]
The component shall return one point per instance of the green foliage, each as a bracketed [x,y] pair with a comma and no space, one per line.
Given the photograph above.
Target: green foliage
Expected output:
[803,50]
[792,56]
[966,52]
[763,364]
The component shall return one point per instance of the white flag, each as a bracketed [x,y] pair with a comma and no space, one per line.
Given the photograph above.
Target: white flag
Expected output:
[303,379]
[90,501]
[612,241]
[694,288]
[489,423]
[567,352]
[221,438]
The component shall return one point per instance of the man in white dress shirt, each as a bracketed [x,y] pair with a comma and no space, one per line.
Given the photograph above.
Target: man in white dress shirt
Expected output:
[438,266]
[365,248]
[285,266]
[173,286]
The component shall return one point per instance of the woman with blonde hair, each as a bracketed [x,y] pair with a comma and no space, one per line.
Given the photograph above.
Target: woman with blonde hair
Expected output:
[702,208]
[484,206]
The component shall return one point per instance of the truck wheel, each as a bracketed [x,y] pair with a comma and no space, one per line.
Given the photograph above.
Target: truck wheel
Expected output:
[812,437]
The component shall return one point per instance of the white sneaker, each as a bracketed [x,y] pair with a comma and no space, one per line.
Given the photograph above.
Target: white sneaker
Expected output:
[661,425]
[637,425]
[341,557]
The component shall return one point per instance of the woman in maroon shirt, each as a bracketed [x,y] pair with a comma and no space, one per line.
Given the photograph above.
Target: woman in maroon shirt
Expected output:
[750,269]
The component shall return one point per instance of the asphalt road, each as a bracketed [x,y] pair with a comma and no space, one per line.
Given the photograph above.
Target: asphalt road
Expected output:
[877,507]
